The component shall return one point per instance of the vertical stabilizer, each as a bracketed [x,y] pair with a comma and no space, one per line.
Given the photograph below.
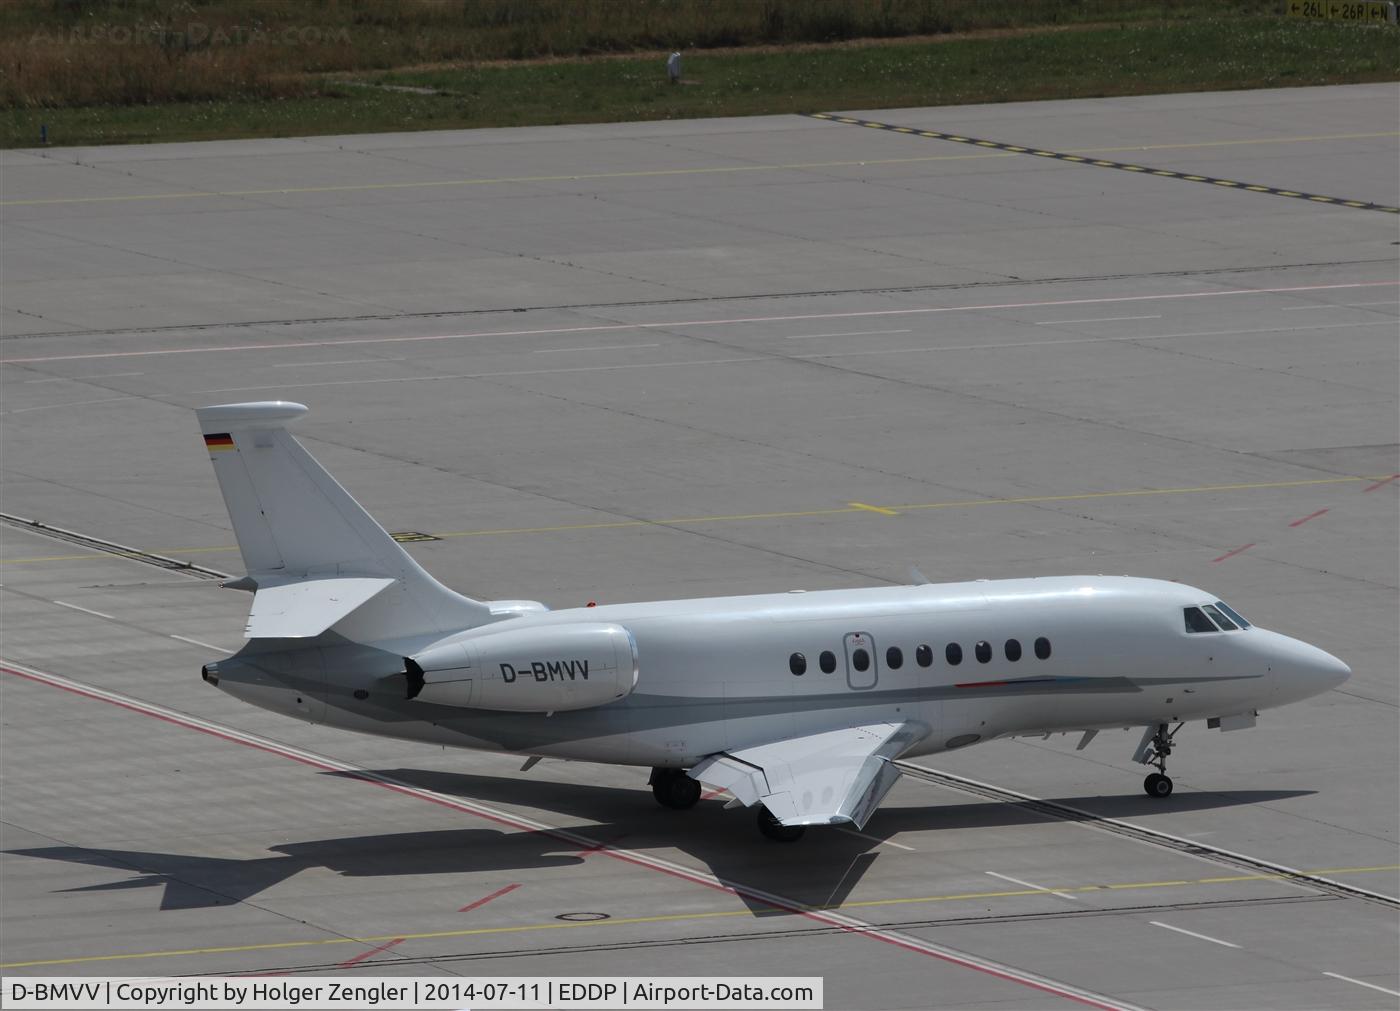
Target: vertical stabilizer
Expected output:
[295,524]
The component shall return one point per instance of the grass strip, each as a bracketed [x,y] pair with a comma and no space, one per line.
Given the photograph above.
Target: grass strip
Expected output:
[1195,55]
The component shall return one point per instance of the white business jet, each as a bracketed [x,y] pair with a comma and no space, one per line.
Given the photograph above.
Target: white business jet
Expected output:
[796,702]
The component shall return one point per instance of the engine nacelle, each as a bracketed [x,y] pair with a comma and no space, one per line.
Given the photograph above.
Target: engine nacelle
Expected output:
[528,670]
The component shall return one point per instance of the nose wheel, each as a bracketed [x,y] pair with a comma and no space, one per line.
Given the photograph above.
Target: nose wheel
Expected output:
[674,789]
[1159,784]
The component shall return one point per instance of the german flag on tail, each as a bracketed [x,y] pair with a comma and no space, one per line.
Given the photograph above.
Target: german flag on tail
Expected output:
[218,441]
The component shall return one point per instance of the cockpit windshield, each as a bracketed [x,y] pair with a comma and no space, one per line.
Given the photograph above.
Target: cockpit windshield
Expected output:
[1215,617]
[1225,623]
[1234,615]
[1196,621]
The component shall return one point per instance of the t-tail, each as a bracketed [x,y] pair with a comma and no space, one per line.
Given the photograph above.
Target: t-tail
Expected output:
[315,559]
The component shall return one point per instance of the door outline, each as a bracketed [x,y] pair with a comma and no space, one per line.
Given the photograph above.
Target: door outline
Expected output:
[857,680]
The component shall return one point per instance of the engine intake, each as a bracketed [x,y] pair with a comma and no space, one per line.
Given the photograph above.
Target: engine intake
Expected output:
[528,670]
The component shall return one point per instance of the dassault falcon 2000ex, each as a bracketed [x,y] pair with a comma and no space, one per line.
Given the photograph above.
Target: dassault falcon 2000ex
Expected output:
[798,703]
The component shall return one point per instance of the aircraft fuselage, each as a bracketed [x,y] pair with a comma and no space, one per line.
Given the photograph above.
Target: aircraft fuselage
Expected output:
[721,674]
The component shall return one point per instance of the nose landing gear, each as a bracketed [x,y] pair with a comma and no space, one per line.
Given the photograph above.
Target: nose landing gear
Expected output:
[1155,747]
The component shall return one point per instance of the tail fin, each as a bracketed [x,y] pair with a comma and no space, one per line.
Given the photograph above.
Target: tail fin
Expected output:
[297,527]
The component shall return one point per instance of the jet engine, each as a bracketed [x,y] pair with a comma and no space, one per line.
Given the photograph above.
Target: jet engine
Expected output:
[528,670]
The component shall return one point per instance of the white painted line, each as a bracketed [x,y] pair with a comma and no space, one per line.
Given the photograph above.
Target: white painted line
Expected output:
[814,356]
[196,642]
[1335,305]
[1038,888]
[85,610]
[1101,319]
[1362,982]
[873,838]
[1094,823]
[343,361]
[76,403]
[1192,933]
[83,379]
[852,333]
[605,347]
[607,327]
[827,917]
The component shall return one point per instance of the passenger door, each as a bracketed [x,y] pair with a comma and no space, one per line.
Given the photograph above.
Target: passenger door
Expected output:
[862,670]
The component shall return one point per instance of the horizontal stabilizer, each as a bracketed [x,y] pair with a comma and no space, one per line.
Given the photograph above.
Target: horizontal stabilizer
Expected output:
[822,779]
[308,607]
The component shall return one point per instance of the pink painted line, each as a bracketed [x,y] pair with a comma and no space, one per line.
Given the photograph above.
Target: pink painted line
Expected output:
[712,794]
[1382,484]
[487,898]
[610,327]
[831,919]
[371,953]
[1232,554]
[1310,516]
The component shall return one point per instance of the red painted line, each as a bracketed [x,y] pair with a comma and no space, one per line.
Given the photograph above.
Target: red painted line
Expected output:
[835,920]
[694,322]
[1232,554]
[487,898]
[712,794]
[600,847]
[1382,484]
[367,954]
[1310,516]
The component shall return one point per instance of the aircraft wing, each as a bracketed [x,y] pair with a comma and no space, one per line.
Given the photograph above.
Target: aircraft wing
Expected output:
[822,779]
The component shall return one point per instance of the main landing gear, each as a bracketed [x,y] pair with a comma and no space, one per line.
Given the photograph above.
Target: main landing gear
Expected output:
[674,789]
[1159,784]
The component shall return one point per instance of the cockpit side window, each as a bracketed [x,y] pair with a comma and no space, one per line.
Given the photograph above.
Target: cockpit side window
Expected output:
[1235,615]
[1220,619]
[1196,621]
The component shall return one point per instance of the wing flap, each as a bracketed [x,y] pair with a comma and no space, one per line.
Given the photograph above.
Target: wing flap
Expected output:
[823,779]
[306,608]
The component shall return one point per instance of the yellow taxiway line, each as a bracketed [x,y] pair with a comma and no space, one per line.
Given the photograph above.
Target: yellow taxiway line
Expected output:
[673,918]
[642,173]
[851,508]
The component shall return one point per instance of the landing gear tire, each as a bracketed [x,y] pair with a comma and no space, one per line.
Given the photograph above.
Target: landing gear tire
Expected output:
[772,828]
[1157,785]
[674,789]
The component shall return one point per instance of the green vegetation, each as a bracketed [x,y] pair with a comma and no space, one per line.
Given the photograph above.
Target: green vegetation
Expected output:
[240,68]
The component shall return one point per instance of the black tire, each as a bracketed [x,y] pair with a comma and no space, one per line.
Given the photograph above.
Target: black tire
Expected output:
[672,788]
[772,828]
[1157,785]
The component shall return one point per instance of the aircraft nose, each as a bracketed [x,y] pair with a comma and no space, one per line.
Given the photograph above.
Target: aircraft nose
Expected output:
[1333,670]
[1316,669]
